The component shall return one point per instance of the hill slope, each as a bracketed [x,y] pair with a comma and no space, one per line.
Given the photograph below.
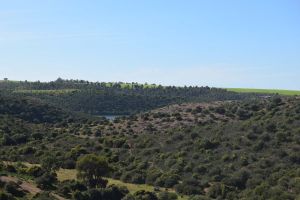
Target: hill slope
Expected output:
[114,98]
[224,150]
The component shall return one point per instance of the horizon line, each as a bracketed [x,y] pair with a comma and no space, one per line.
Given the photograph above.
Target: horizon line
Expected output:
[146,83]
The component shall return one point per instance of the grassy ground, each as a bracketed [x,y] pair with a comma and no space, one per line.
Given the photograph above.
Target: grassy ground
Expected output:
[69,174]
[129,86]
[265,91]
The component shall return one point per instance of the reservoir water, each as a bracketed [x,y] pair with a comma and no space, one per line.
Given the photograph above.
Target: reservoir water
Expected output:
[112,117]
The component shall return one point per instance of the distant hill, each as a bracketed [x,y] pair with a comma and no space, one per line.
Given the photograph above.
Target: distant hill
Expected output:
[100,98]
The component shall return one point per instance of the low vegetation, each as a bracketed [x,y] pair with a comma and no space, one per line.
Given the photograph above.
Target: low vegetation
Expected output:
[51,92]
[237,149]
[100,98]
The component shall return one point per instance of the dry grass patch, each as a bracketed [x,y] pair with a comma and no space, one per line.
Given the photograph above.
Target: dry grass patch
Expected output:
[70,174]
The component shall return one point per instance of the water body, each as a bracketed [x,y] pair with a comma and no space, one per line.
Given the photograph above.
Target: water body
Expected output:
[112,117]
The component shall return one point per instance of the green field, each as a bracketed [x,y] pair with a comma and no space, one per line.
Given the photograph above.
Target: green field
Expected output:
[129,86]
[265,91]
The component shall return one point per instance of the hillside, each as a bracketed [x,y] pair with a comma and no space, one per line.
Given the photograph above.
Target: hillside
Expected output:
[224,150]
[31,110]
[24,120]
[99,98]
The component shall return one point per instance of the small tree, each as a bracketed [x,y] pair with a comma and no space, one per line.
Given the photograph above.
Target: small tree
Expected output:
[14,189]
[91,168]
[47,180]
[145,195]
[5,196]
[50,163]
[167,196]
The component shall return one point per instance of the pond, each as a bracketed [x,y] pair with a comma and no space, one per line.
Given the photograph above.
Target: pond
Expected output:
[112,117]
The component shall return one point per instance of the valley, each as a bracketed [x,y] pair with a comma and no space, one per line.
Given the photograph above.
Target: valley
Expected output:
[195,149]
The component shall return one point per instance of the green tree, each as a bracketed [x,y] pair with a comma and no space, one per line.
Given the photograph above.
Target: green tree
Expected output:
[47,180]
[91,168]
[167,196]
[50,163]
[145,195]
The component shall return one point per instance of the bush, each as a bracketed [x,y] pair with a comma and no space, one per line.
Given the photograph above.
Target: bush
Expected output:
[27,150]
[208,144]
[243,114]
[46,181]
[189,187]
[91,168]
[129,197]
[77,186]
[217,190]
[238,179]
[35,171]
[170,181]
[145,195]
[152,175]
[114,193]
[125,177]
[11,168]
[1,165]
[198,197]
[43,196]
[295,157]
[5,196]
[80,196]
[138,178]
[167,196]
[167,180]
[64,190]
[69,164]
[2,183]
[7,141]
[14,189]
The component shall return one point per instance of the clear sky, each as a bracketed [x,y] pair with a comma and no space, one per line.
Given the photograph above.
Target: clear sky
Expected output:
[221,43]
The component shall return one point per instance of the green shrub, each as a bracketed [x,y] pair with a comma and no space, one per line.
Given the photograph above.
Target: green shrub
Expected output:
[217,190]
[167,196]
[5,196]
[14,189]
[43,196]
[46,181]
[35,171]
[144,195]
[189,187]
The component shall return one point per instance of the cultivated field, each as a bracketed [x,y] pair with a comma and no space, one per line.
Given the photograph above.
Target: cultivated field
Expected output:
[265,91]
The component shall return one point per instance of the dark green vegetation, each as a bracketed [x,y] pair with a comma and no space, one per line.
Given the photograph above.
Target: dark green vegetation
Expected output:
[247,149]
[113,98]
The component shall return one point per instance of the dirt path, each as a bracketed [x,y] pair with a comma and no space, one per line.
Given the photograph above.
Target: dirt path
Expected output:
[27,186]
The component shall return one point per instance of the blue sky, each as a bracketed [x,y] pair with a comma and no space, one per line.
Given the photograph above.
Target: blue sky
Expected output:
[232,43]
